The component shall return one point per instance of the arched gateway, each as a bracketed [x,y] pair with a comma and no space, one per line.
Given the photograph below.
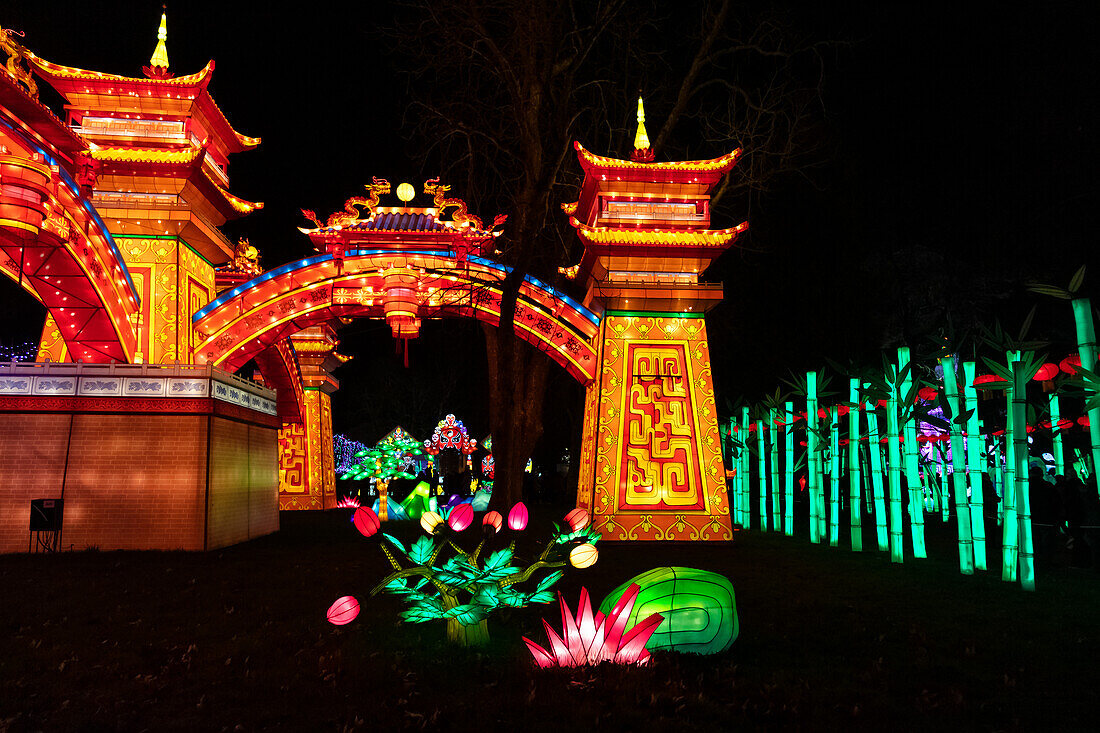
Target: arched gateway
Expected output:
[651,465]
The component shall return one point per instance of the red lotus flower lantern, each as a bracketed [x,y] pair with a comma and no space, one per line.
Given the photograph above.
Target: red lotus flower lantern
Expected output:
[517,518]
[348,502]
[343,611]
[366,521]
[492,522]
[592,639]
[461,517]
[577,519]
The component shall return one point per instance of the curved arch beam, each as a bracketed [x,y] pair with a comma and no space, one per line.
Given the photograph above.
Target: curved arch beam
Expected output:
[53,242]
[257,314]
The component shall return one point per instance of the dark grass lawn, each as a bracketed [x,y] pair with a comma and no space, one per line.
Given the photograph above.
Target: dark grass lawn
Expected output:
[237,640]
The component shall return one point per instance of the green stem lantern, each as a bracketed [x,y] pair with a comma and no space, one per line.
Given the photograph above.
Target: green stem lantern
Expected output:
[788,483]
[912,465]
[874,452]
[1023,504]
[1086,349]
[854,508]
[811,453]
[762,475]
[834,478]
[958,469]
[974,463]
[893,454]
[746,478]
[1059,449]
[1010,528]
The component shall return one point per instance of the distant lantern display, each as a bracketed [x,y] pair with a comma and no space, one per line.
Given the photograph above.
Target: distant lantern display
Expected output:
[450,433]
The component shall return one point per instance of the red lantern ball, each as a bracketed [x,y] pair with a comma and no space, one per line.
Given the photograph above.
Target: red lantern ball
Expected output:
[1046,373]
[927,394]
[366,521]
[1070,363]
[517,518]
[343,611]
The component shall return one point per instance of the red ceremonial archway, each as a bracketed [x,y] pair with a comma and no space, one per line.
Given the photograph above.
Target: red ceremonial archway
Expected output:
[243,322]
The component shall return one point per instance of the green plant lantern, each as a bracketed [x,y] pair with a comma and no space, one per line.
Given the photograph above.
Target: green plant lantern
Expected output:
[698,606]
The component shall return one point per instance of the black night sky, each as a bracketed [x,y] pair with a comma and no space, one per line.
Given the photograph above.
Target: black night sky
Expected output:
[964,164]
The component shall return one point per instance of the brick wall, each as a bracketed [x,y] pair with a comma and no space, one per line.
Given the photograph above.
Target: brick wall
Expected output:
[138,481]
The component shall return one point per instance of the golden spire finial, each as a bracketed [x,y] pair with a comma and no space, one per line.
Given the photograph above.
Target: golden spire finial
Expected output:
[642,152]
[641,139]
[160,55]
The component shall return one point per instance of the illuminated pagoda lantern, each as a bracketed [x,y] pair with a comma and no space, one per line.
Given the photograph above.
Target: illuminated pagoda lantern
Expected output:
[651,464]
[158,174]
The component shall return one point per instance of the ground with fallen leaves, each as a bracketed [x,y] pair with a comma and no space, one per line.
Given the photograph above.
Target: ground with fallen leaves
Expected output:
[237,640]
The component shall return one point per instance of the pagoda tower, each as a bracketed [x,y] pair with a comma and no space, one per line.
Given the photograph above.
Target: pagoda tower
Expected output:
[651,461]
[158,175]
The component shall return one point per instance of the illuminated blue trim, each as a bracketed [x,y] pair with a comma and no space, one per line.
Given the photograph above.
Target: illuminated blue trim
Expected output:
[75,190]
[290,267]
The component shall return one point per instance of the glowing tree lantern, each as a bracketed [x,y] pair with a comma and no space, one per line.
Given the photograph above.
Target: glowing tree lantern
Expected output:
[874,456]
[343,611]
[517,517]
[788,477]
[962,509]
[834,477]
[912,465]
[588,639]
[465,589]
[583,556]
[461,517]
[974,464]
[698,607]
[390,459]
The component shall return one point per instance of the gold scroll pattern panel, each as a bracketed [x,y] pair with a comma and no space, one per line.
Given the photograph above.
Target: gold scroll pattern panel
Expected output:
[658,464]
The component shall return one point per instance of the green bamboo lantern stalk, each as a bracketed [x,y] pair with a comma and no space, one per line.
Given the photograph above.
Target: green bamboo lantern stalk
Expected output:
[974,445]
[1086,349]
[1023,501]
[958,469]
[893,454]
[912,465]
[746,479]
[811,454]
[1010,527]
[773,429]
[854,507]
[788,485]
[999,479]
[834,477]
[1059,450]
[762,475]
[874,451]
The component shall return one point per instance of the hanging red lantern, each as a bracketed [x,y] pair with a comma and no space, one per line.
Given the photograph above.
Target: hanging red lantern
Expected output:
[1046,372]
[1070,363]
[1065,424]
[400,302]
[927,394]
[1083,421]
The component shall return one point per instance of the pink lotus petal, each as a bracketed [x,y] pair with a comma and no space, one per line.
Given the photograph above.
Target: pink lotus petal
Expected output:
[542,657]
[561,651]
[632,648]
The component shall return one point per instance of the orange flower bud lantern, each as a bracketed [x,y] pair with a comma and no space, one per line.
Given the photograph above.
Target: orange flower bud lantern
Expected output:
[577,519]
[583,556]
[492,522]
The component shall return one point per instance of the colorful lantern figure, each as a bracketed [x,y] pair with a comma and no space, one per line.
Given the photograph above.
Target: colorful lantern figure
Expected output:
[487,466]
[450,433]
[418,501]
[343,611]
[698,606]
[588,639]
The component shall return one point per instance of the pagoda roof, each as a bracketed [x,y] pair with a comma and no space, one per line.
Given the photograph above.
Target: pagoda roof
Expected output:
[695,240]
[39,120]
[186,161]
[709,171]
[87,89]
[403,219]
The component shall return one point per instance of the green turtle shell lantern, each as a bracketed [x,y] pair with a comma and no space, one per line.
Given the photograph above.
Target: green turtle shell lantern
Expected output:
[698,606]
